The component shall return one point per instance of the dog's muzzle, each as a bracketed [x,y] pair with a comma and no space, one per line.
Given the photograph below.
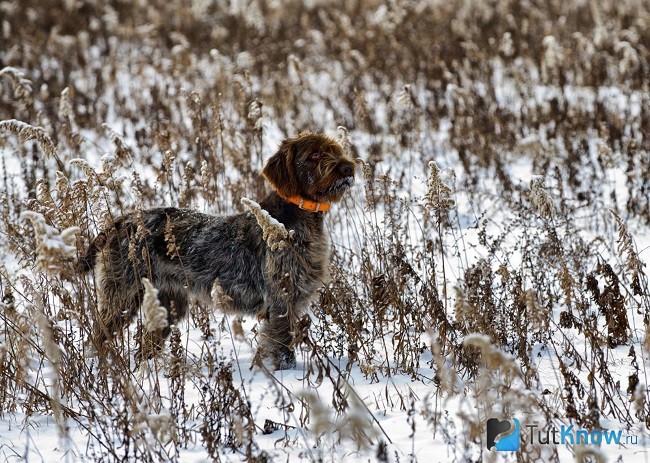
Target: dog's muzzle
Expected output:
[343,183]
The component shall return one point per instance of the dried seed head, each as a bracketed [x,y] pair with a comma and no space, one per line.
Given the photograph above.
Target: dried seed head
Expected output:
[437,196]
[65,108]
[540,198]
[170,239]
[28,132]
[61,184]
[22,85]
[405,98]
[273,232]
[255,113]
[155,315]
[53,248]
[344,139]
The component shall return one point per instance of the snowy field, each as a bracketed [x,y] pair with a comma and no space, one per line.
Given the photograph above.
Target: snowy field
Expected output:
[489,262]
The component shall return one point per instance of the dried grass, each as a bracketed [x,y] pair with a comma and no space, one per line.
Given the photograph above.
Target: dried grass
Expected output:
[107,131]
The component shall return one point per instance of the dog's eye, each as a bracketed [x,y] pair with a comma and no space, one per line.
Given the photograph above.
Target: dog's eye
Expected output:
[315,156]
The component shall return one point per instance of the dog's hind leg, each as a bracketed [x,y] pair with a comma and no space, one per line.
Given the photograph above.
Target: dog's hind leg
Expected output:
[117,308]
[151,342]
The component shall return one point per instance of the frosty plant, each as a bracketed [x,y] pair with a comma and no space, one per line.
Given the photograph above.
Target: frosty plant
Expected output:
[551,306]
[344,138]
[356,424]
[499,388]
[52,353]
[437,196]
[28,132]
[540,198]
[155,315]
[22,85]
[273,232]
[53,247]
[109,166]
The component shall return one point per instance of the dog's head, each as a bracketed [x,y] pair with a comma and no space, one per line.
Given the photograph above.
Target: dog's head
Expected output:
[312,166]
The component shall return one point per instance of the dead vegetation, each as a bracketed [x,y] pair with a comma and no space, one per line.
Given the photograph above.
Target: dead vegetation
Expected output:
[108,108]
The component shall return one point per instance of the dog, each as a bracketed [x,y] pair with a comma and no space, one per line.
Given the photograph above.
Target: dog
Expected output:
[307,174]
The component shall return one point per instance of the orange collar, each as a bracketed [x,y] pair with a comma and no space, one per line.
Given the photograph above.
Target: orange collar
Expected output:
[306,204]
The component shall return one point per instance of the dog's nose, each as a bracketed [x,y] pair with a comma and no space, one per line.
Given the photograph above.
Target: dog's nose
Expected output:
[346,170]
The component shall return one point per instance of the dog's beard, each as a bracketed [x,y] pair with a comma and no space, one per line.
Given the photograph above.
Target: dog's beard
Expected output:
[339,187]
[344,183]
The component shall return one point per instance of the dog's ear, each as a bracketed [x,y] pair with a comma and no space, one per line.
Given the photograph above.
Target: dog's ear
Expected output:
[280,171]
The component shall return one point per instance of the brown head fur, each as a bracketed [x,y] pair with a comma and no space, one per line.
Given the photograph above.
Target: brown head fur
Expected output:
[311,165]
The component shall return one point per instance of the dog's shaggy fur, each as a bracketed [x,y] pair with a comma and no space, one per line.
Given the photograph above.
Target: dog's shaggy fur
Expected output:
[229,250]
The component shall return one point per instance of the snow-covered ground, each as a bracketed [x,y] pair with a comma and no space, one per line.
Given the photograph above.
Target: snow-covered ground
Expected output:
[510,302]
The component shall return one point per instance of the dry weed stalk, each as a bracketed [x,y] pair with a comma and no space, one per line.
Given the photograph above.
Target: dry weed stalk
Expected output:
[54,248]
[633,264]
[437,196]
[52,352]
[22,85]
[155,315]
[355,424]
[273,232]
[540,198]
[583,453]
[28,132]
[479,107]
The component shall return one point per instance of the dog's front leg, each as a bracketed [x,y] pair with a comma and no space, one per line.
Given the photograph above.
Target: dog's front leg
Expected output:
[281,309]
[276,337]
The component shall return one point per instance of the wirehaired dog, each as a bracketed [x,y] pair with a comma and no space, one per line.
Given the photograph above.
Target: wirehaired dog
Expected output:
[183,253]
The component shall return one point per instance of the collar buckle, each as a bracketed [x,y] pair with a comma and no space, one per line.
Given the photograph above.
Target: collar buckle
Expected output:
[307,205]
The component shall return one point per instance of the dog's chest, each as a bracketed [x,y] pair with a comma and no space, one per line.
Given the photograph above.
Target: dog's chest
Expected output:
[305,262]
[311,253]
[317,254]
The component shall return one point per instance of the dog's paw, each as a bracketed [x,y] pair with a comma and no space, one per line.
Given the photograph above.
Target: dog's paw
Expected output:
[275,360]
[286,361]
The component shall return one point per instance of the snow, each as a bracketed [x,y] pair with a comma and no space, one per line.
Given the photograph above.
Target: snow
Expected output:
[407,412]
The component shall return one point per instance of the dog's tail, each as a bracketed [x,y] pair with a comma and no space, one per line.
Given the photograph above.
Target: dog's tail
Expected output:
[87,262]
